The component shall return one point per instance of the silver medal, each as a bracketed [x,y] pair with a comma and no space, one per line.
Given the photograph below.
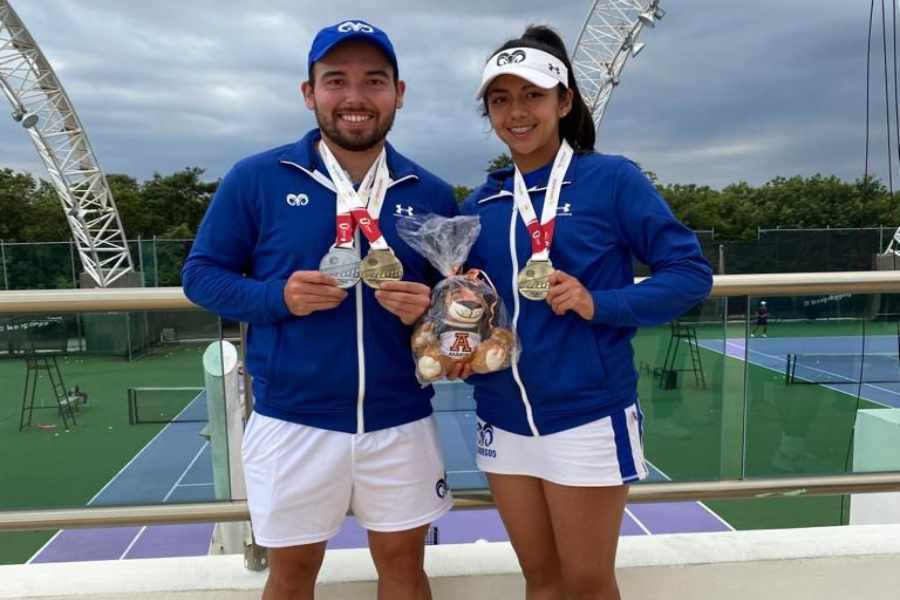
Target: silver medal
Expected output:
[343,265]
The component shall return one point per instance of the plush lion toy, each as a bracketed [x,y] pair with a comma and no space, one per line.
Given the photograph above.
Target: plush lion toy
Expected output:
[462,327]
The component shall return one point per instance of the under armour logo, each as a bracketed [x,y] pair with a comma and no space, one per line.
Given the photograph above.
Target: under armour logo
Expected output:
[297,199]
[348,26]
[564,211]
[553,68]
[401,210]
[506,58]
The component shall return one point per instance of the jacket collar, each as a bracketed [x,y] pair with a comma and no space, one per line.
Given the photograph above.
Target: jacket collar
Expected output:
[500,182]
[303,154]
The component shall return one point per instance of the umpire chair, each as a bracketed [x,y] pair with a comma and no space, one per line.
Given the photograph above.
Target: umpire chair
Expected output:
[669,374]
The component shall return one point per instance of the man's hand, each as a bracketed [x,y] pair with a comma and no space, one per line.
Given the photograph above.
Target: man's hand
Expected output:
[406,299]
[567,293]
[309,291]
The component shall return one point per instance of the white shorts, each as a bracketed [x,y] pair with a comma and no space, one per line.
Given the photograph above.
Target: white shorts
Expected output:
[604,452]
[302,480]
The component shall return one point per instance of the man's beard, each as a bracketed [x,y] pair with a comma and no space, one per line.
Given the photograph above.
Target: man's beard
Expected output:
[354,143]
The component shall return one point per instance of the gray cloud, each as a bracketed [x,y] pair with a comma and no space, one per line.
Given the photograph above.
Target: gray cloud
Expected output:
[725,91]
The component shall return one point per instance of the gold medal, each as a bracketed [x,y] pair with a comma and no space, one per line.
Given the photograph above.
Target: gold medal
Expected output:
[534,279]
[379,266]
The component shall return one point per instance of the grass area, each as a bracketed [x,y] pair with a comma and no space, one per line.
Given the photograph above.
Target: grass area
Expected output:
[45,468]
[698,434]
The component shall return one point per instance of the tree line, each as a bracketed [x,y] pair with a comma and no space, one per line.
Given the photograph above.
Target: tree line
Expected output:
[171,206]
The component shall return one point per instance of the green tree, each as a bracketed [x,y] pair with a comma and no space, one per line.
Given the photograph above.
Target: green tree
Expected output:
[461,192]
[16,194]
[500,161]
[177,199]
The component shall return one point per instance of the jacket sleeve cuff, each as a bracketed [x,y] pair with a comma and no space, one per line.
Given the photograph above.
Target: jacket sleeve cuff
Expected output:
[607,307]
[275,299]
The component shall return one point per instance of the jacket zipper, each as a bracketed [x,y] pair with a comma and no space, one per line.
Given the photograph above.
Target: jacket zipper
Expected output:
[360,348]
[515,321]
[360,354]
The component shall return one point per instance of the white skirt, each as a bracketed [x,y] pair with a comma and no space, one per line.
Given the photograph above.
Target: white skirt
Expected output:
[605,452]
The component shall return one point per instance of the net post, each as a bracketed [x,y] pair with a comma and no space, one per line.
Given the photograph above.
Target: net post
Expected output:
[3,263]
[155,263]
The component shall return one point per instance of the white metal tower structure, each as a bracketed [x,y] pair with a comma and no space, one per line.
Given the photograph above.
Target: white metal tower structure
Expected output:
[41,105]
[606,42]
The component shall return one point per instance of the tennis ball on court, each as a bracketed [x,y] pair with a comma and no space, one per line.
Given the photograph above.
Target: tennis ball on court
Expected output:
[55,435]
[110,427]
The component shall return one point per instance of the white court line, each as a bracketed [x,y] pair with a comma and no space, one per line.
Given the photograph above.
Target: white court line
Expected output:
[829,386]
[638,521]
[141,451]
[186,469]
[705,507]
[196,484]
[116,476]
[44,547]
[133,542]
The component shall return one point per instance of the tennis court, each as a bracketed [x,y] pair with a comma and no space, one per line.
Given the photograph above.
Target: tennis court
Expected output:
[865,367]
[176,466]
[104,460]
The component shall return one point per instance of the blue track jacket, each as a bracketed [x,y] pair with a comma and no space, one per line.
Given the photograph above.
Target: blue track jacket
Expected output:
[347,369]
[572,371]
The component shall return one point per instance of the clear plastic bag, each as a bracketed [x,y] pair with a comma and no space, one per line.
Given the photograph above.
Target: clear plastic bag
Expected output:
[467,322]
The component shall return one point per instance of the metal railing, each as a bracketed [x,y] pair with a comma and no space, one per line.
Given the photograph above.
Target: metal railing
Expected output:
[124,299]
[236,510]
[173,298]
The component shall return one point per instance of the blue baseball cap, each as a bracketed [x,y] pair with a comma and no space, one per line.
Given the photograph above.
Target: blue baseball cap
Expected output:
[348,30]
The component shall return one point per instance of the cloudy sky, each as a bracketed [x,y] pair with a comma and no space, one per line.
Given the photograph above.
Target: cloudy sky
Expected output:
[724,91]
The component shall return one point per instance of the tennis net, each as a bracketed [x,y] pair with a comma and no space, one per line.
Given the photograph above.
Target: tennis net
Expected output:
[842,368]
[166,405]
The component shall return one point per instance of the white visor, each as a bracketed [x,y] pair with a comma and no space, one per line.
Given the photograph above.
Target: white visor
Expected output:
[536,66]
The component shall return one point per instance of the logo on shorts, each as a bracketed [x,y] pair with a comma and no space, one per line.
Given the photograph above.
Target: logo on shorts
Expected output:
[485,439]
[485,434]
[441,488]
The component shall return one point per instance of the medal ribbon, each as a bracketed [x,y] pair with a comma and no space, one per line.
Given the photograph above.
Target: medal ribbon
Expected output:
[541,233]
[357,207]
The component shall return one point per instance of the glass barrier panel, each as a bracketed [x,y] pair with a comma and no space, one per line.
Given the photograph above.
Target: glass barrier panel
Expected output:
[112,409]
[685,377]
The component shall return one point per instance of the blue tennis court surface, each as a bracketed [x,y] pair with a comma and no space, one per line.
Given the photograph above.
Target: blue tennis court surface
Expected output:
[176,466]
[773,353]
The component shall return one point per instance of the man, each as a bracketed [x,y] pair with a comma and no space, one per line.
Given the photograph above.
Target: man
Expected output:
[339,420]
[762,320]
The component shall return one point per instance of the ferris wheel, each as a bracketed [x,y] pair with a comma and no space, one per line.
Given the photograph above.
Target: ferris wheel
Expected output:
[607,40]
[41,106]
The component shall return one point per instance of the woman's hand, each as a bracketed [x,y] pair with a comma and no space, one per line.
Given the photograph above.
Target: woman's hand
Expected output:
[459,371]
[567,293]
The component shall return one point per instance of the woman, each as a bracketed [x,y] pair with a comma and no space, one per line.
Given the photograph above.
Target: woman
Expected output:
[560,432]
